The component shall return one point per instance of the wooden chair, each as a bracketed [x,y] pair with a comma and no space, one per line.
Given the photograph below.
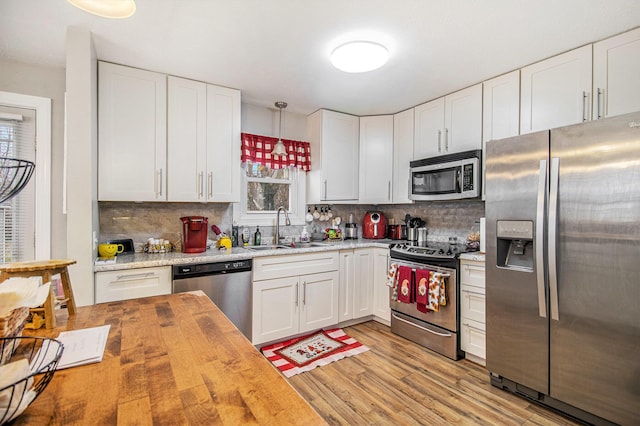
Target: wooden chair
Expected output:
[45,269]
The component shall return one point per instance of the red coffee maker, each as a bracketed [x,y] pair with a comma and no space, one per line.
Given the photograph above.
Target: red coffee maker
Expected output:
[194,234]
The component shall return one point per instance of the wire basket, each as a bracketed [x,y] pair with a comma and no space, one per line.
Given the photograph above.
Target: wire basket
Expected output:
[14,175]
[42,355]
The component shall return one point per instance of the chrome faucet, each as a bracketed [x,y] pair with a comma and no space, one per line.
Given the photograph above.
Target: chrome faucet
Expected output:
[287,222]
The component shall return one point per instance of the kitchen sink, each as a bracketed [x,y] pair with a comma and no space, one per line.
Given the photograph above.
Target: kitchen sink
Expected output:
[271,247]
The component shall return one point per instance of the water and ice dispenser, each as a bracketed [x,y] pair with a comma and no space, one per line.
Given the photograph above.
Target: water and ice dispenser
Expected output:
[515,244]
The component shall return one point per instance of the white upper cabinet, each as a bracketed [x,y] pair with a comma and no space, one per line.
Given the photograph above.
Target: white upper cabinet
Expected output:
[449,124]
[223,144]
[334,157]
[463,120]
[501,107]
[376,159]
[187,139]
[402,155]
[556,92]
[204,142]
[616,67]
[132,161]
[429,129]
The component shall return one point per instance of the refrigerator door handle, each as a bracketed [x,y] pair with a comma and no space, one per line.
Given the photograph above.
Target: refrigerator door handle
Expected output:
[553,237]
[540,232]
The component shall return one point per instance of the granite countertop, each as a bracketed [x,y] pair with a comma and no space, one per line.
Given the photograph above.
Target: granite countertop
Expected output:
[477,256]
[146,260]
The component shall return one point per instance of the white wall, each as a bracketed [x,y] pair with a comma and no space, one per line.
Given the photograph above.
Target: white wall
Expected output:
[259,120]
[82,148]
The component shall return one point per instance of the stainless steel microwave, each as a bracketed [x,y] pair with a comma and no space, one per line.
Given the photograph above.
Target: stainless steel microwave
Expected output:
[446,177]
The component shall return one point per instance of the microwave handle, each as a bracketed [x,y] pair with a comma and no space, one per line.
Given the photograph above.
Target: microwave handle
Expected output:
[459,180]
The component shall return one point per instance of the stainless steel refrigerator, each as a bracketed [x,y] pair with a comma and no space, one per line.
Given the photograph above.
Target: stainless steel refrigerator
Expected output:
[563,268]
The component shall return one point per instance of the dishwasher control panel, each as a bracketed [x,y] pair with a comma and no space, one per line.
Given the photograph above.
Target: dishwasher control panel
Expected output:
[196,269]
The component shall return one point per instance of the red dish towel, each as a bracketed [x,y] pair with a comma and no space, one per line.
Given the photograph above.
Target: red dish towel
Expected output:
[422,289]
[405,292]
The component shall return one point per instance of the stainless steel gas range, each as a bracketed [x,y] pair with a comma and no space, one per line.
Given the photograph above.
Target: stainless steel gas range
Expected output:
[435,329]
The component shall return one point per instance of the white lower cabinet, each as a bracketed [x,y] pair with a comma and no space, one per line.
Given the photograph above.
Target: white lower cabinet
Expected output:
[356,283]
[126,284]
[381,308]
[472,310]
[294,294]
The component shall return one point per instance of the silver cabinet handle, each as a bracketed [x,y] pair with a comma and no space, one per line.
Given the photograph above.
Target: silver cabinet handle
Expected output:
[325,190]
[297,293]
[133,277]
[585,96]
[598,100]
[304,292]
[466,324]
[389,192]
[446,140]
[201,183]
[540,233]
[439,144]
[553,237]
[421,327]
[160,182]
[210,184]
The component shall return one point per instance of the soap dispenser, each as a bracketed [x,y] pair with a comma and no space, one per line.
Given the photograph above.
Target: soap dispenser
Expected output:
[257,237]
[304,235]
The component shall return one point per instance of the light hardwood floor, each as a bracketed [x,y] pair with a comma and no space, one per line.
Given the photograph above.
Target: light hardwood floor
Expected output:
[398,382]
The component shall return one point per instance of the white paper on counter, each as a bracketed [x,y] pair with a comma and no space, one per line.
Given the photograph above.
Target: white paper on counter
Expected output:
[84,346]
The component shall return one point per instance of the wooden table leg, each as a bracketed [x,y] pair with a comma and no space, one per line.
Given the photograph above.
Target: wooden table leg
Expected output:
[68,291]
[50,303]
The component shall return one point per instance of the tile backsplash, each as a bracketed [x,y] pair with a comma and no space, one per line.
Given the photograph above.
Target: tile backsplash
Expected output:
[141,221]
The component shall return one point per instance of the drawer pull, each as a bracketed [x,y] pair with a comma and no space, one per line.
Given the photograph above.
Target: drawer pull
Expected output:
[422,328]
[466,324]
[130,277]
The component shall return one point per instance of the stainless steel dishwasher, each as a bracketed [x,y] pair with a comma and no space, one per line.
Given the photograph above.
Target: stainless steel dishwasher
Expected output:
[228,285]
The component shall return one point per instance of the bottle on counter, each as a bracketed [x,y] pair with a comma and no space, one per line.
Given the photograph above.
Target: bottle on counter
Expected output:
[304,235]
[257,237]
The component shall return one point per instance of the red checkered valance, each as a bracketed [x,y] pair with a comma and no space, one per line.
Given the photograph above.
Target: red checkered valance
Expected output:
[257,149]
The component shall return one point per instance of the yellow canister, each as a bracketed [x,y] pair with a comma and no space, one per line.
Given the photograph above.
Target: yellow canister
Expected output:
[224,242]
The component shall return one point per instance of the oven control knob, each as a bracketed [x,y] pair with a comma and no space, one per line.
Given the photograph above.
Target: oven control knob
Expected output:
[449,252]
[441,251]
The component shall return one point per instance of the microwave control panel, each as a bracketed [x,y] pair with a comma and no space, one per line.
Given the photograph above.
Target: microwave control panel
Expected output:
[467,177]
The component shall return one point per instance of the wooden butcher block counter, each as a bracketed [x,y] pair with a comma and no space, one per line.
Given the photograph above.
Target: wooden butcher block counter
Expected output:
[169,360]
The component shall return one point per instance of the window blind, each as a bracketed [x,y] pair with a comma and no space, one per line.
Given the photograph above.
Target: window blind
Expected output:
[17,215]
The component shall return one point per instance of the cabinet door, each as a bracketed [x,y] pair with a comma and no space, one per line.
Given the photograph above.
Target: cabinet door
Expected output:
[347,283]
[402,155]
[132,136]
[187,139]
[381,294]
[112,286]
[463,120]
[363,289]
[340,156]
[376,159]
[556,92]
[501,107]
[616,67]
[319,300]
[223,144]
[429,130]
[275,309]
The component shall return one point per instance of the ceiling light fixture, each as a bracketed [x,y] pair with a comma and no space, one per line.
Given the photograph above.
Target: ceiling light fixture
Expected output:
[279,148]
[359,56]
[107,8]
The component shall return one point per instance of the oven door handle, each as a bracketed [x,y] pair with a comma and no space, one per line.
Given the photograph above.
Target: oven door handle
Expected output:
[421,327]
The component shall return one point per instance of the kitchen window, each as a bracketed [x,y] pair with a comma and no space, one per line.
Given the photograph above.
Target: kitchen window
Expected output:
[270,181]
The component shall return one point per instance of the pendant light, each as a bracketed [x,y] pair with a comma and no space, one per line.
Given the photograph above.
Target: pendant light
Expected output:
[116,9]
[279,148]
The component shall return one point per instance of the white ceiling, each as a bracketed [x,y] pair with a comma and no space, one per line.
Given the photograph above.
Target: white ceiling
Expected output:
[278,49]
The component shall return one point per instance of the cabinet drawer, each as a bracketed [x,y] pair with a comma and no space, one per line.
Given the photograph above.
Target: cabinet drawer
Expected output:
[472,304]
[112,286]
[473,338]
[269,267]
[472,273]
